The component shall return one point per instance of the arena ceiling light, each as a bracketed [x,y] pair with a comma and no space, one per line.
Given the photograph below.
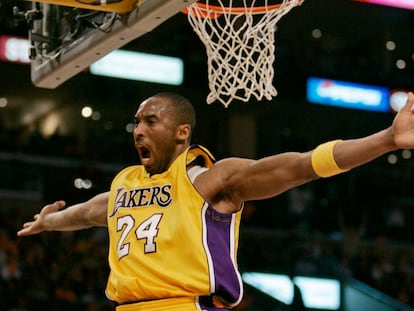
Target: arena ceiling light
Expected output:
[14,49]
[141,67]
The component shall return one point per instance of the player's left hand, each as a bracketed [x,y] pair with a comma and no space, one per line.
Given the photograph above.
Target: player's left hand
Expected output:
[403,125]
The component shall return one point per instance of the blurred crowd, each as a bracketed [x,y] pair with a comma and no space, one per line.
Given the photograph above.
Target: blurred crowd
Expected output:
[56,271]
[59,271]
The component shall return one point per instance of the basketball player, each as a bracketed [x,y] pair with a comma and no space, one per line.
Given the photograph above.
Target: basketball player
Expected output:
[173,221]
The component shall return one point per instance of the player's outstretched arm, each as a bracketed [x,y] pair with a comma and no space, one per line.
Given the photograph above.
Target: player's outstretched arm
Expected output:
[54,217]
[355,152]
[241,180]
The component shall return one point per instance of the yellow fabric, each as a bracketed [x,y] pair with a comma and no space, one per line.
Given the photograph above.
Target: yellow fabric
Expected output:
[172,304]
[323,161]
[155,227]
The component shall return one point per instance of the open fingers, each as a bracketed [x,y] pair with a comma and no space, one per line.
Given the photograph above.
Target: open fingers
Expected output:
[26,229]
[33,227]
[54,207]
[409,103]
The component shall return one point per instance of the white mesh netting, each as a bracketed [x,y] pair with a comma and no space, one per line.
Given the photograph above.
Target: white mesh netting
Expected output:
[240,45]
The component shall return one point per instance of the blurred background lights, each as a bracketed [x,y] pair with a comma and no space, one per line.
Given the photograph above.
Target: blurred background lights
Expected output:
[81,183]
[129,127]
[406,154]
[390,45]
[86,112]
[392,159]
[50,124]
[316,33]
[96,115]
[400,64]
[3,102]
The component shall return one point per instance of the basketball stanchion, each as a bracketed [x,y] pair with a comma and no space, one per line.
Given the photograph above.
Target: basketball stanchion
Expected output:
[239,38]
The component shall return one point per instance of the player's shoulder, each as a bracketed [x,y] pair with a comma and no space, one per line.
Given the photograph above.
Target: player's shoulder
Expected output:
[233,163]
[221,172]
[129,171]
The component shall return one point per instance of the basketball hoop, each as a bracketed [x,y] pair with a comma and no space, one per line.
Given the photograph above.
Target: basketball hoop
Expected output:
[240,45]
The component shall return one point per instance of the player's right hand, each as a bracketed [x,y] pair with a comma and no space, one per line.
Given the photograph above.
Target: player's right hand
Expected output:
[39,223]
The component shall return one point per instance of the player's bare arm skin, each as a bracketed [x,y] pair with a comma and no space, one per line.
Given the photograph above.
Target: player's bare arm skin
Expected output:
[52,217]
[244,180]
[232,181]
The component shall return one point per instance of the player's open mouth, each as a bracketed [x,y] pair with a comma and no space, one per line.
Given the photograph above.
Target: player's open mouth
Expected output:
[144,154]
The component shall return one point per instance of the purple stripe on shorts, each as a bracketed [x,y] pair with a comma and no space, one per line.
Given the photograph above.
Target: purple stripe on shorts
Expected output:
[219,239]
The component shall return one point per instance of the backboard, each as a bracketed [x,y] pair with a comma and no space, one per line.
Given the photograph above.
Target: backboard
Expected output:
[63,47]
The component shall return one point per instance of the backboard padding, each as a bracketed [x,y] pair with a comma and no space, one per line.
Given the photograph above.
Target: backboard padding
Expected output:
[123,6]
[52,72]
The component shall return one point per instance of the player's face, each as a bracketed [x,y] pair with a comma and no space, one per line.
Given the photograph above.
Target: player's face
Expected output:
[155,135]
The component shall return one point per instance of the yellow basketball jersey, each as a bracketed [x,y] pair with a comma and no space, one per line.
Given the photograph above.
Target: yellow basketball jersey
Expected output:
[167,242]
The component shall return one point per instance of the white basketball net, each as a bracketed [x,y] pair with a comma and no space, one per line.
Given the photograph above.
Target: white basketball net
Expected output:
[240,47]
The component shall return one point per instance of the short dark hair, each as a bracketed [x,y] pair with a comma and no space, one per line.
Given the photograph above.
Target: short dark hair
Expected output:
[181,107]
